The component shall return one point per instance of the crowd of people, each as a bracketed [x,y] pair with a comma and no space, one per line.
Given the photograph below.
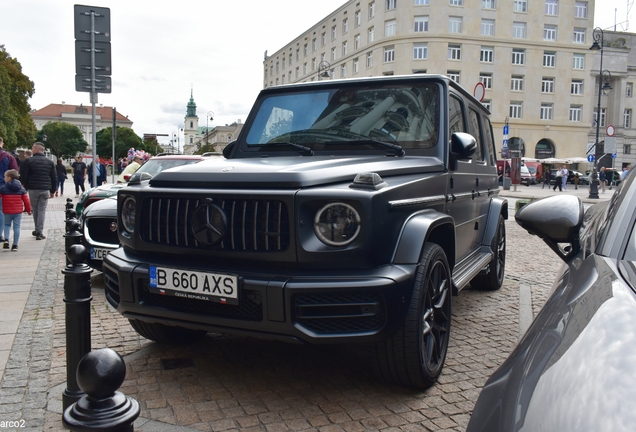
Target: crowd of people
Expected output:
[29,180]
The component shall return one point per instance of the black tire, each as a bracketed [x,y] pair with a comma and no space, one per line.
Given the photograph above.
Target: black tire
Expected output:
[493,280]
[414,356]
[163,334]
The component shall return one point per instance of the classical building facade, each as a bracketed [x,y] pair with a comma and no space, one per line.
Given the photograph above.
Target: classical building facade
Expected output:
[532,57]
[80,116]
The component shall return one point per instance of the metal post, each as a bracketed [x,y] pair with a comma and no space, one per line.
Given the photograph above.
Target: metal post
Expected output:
[77,297]
[598,37]
[93,98]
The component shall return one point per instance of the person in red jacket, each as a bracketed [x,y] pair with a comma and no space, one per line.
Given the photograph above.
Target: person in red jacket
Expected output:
[15,201]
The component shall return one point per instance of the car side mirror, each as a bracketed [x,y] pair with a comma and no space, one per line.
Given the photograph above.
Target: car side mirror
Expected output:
[557,220]
[462,147]
[137,178]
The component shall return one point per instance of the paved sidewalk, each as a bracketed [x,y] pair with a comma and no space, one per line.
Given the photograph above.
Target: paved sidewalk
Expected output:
[240,383]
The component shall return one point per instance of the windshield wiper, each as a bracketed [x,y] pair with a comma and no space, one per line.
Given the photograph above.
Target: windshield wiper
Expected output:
[305,151]
[396,149]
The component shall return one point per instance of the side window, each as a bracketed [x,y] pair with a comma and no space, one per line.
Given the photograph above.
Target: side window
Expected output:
[475,130]
[489,142]
[455,116]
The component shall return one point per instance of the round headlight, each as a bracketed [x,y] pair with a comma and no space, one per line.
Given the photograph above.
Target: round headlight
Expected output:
[128,214]
[337,224]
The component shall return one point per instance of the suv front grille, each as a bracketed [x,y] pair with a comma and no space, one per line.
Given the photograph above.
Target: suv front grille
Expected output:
[252,225]
[111,282]
[337,313]
[99,230]
[250,306]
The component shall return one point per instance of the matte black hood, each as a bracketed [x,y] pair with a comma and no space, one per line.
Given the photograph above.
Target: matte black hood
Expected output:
[290,172]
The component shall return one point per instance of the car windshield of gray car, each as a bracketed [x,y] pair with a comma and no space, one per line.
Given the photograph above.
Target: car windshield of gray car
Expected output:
[389,117]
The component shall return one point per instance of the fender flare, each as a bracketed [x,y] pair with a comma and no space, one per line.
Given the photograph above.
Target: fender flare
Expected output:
[498,206]
[420,228]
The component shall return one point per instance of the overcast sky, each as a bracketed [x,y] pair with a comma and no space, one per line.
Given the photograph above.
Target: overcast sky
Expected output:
[162,50]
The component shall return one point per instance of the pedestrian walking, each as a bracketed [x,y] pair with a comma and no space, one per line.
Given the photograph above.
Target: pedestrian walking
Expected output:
[7,162]
[60,169]
[576,180]
[79,175]
[101,173]
[15,202]
[625,172]
[564,177]
[602,178]
[558,182]
[39,178]
[547,176]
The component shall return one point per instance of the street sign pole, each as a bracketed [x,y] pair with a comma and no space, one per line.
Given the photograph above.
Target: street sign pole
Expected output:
[93,99]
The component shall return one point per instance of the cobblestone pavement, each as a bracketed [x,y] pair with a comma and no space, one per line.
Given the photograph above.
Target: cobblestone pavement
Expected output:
[227,383]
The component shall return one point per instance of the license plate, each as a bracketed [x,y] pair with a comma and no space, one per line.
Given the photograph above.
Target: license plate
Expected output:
[99,253]
[205,286]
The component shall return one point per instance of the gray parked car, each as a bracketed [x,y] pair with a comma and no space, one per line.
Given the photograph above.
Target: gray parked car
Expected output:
[573,370]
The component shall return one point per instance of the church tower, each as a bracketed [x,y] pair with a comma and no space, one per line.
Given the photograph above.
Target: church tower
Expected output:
[191,125]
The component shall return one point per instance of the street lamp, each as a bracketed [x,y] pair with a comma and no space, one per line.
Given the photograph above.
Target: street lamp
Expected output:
[603,88]
[179,130]
[209,116]
[323,69]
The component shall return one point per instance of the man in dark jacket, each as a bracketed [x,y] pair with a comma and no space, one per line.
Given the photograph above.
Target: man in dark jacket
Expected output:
[7,162]
[39,177]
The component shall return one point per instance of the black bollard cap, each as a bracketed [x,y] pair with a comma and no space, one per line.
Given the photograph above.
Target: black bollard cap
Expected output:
[77,253]
[100,373]
[72,225]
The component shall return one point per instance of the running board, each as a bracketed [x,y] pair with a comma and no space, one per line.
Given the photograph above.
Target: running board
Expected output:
[465,271]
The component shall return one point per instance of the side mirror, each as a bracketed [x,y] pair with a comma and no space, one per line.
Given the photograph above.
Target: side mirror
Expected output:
[463,145]
[557,220]
[137,178]
[229,149]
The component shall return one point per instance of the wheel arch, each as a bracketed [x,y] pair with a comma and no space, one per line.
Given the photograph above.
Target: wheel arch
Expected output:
[498,206]
[428,226]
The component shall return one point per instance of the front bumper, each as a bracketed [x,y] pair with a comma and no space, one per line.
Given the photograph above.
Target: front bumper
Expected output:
[318,306]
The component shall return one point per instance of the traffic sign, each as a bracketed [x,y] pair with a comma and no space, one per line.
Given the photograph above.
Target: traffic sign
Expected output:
[610,130]
[479,91]
[505,130]
[590,158]
[613,155]
[505,143]
[83,23]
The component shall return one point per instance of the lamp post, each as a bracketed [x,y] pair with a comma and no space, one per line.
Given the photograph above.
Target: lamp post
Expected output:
[323,69]
[208,116]
[179,130]
[597,35]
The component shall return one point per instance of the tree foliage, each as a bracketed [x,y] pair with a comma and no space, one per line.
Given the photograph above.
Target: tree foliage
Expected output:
[125,140]
[62,139]
[16,126]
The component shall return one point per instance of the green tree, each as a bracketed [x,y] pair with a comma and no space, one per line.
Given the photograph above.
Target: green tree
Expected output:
[126,139]
[16,126]
[62,139]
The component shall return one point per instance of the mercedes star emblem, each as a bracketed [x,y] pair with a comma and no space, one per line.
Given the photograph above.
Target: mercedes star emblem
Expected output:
[209,224]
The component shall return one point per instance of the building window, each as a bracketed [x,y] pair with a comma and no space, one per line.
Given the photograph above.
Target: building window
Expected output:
[546,111]
[333,53]
[454,52]
[356,42]
[627,148]
[389,54]
[357,18]
[486,79]
[547,85]
[518,56]
[551,7]
[487,103]
[297,54]
[519,30]
[580,9]
[549,33]
[516,83]
[369,59]
[576,88]
[421,2]
[356,67]
[456,2]
[578,61]
[313,45]
[283,62]
[454,75]
[603,116]
[454,24]
[516,109]
[420,51]
[389,28]
[371,9]
[627,118]
[343,71]
[487,4]
[629,89]
[344,48]
[549,59]
[486,54]
[323,39]
[345,26]
[334,33]
[575,113]
[520,6]
[313,64]
[579,35]
[391,4]
[305,68]
[370,34]
[487,27]
[421,23]
[297,71]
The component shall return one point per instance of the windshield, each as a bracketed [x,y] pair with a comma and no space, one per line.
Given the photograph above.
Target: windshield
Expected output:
[399,114]
[155,166]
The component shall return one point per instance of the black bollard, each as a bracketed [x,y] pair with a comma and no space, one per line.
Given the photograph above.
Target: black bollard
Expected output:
[72,236]
[68,207]
[100,373]
[77,296]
